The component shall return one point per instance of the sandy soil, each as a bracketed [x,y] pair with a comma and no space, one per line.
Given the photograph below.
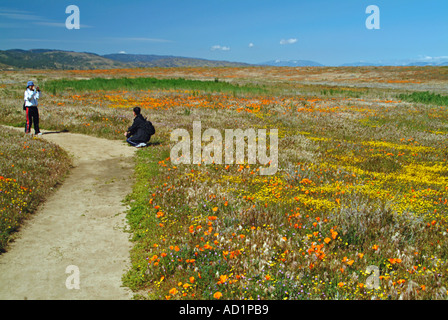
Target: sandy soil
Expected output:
[82,224]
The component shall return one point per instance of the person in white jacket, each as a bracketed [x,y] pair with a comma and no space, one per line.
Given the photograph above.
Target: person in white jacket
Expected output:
[31,97]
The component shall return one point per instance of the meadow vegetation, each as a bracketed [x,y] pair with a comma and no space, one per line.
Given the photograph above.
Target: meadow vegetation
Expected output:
[425,97]
[61,85]
[30,168]
[362,182]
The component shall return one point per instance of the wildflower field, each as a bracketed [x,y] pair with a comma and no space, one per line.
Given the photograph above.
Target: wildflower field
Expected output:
[30,168]
[357,209]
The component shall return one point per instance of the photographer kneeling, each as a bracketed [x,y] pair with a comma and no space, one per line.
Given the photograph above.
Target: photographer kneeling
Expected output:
[139,134]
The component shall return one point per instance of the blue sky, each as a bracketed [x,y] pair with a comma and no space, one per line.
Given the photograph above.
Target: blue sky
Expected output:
[327,31]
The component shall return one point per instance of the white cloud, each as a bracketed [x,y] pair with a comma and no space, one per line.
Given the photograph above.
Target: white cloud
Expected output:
[429,58]
[11,25]
[122,52]
[38,40]
[51,40]
[58,24]
[51,24]
[251,45]
[140,39]
[37,20]
[17,15]
[288,41]
[148,39]
[221,48]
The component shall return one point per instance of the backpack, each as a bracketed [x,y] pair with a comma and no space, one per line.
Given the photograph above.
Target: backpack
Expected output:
[149,128]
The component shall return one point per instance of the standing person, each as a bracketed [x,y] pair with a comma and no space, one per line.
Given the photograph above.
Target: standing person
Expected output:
[139,133]
[31,97]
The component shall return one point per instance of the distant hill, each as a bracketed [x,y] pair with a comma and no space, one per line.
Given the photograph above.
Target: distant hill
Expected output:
[69,60]
[424,64]
[360,64]
[134,58]
[419,64]
[4,67]
[292,63]
[406,62]
[55,59]
[145,61]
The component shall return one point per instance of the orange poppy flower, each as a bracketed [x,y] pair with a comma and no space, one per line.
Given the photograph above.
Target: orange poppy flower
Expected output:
[334,234]
[222,279]
[173,291]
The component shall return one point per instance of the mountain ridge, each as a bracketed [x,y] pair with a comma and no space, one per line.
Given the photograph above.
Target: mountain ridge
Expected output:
[71,60]
[292,63]
[152,60]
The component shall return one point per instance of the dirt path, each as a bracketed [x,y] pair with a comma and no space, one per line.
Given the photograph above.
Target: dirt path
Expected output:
[80,225]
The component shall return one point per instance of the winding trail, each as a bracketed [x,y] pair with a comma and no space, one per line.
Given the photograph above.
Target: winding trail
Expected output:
[81,224]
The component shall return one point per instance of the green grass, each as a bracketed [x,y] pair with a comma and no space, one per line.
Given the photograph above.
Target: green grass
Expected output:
[377,163]
[95,84]
[141,222]
[342,92]
[29,170]
[425,97]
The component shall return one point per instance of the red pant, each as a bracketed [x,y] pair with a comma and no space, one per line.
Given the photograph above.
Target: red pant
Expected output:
[32,116]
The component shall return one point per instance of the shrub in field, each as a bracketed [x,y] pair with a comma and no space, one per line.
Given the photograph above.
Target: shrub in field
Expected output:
[425,97]
[363,222]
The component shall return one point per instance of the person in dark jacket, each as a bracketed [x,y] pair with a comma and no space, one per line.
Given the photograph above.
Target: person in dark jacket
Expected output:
[137,135]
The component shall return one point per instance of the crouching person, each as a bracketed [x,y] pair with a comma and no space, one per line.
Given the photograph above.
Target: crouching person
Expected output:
[138,135]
